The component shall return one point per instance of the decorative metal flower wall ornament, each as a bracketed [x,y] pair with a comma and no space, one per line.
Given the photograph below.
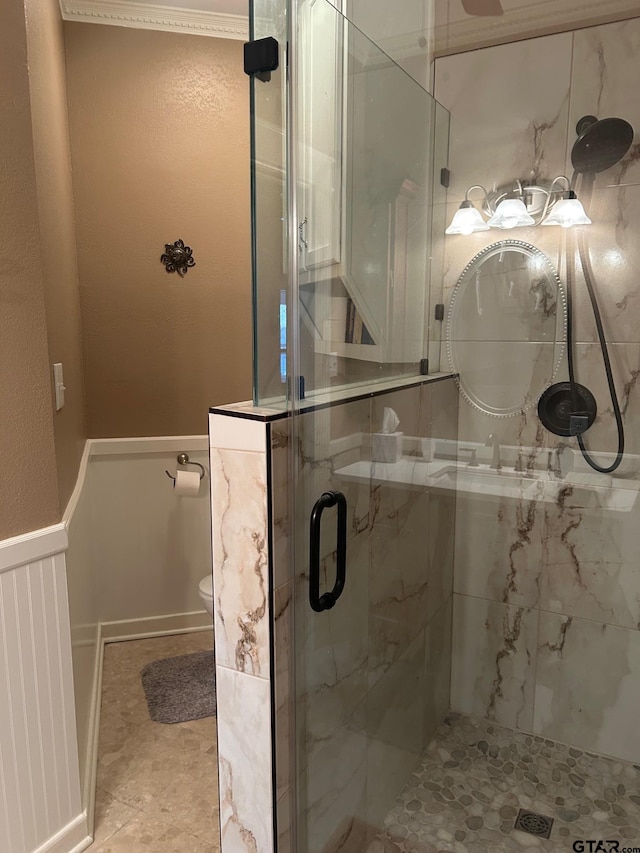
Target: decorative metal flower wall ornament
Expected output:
[177,257]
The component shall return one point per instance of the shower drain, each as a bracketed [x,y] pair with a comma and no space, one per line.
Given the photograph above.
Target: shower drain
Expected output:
[534,824]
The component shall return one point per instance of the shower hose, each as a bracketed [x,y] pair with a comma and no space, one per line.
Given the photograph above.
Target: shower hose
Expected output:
[587,269]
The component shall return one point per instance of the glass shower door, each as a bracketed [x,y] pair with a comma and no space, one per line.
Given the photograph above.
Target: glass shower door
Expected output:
[362,167]
[345,149]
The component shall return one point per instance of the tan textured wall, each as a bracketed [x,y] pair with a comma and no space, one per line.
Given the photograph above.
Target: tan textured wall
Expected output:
[45,40]
[28,493]
[160,151]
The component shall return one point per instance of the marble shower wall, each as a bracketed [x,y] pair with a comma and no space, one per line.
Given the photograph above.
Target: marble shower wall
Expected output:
[372,674]
[547,596]
[242,614]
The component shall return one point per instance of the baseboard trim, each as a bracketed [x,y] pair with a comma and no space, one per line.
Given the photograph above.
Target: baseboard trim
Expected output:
[86,842]
[91,759]
[72,838]
[156,626]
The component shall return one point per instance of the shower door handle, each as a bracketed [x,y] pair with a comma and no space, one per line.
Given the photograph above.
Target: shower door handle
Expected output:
[328,599]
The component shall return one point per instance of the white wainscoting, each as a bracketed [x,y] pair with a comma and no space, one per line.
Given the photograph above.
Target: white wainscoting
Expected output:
[40,802]
[125,562]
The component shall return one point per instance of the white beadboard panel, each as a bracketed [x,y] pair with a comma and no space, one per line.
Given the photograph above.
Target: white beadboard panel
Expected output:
[39,777]
[11,745]
[59,630]
[232,433]
[27,737]
[5,806]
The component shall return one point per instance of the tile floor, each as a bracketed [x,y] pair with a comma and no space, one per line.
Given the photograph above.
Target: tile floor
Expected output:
[475,776]
[157,784]
[157,787]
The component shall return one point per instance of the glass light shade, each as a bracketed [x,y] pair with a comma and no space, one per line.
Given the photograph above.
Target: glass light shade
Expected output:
[466,220]
[567,213]
[511,213]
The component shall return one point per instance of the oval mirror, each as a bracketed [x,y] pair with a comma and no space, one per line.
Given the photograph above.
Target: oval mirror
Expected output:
[505,316]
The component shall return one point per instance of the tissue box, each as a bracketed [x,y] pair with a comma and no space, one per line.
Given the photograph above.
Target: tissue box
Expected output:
[387,446]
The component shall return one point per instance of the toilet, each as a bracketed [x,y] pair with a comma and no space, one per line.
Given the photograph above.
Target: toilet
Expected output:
[206,593]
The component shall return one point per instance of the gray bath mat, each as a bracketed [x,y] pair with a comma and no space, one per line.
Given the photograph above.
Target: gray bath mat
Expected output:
[181,689]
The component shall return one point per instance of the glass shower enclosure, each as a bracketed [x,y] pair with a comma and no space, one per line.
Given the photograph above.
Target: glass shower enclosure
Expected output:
[346,165]
[345,147]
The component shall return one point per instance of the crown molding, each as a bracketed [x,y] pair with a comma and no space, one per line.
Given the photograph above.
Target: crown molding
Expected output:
[541,18]
[149,16]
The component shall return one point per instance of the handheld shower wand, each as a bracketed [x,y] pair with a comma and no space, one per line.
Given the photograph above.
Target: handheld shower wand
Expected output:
[570,408]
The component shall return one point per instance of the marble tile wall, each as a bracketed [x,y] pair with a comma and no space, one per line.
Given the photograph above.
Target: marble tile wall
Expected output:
[242,614]
[546,608]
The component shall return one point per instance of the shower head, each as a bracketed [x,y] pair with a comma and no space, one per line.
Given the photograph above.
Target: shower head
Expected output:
[600,144]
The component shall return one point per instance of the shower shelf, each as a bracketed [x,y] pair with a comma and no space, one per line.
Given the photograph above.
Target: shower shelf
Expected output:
[612,494]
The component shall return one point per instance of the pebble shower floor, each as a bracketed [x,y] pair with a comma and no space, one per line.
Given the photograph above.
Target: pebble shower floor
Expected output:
[476,776]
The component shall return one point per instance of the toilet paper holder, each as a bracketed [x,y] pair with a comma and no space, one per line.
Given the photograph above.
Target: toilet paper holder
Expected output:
[183,459]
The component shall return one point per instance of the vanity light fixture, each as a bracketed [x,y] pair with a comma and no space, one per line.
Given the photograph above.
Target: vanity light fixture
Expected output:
[512,212]
[568,211]
[468,219]
[519,206]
